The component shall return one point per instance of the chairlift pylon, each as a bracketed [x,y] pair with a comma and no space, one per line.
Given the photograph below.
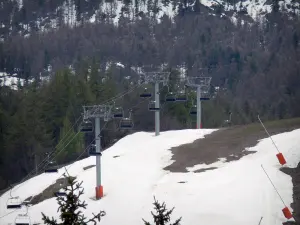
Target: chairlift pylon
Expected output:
[13,202]
[86,126]
[152,107]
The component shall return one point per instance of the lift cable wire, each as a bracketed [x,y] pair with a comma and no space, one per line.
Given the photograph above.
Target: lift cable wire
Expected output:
[64,167]
[72,128]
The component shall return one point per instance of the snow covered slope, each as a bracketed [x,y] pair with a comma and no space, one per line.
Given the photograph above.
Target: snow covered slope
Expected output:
[236,193]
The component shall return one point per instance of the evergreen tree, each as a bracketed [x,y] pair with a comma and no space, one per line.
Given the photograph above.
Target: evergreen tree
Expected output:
[71,139]
[70,207]
[162,215]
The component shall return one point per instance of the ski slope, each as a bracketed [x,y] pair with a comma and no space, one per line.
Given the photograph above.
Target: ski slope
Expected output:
[236,193]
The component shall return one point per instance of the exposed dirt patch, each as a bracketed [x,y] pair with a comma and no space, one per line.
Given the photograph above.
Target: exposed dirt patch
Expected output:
[205,169]
[48,192]
[226,143]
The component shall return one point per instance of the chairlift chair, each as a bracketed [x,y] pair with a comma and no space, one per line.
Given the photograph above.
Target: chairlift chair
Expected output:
[181,97]
[126,123]
[152,107]
[23,219]
[60,194]
[204,98]
[193,110]
[51,168]
[170,97]
[145,94]
[117,112]
[86,127]
[92,151]
[13,202]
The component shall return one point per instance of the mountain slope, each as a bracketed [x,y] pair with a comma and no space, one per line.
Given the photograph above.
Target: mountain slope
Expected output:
[236,193]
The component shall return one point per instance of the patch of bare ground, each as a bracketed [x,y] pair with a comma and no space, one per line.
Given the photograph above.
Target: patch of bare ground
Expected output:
[48,192]
[229,143]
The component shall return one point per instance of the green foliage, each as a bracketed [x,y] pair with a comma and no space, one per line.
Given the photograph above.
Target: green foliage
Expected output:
[73,141]
[163,215]
[70,207]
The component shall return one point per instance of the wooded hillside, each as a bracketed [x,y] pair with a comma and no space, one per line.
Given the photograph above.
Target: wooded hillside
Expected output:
[255,65]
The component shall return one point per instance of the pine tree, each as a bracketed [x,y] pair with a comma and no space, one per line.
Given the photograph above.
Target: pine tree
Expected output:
[163,215]
[70,205]
[71,141]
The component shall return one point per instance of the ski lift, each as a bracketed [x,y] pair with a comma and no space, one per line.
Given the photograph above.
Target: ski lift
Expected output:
[193,110]
[152,107]
[92,151]
[145,94]
[13,202]
[23,219]
[126,123]
[117,112]
[51,167]
[86,127]
[204,98]
[171,97]
[181,97]
[60,194]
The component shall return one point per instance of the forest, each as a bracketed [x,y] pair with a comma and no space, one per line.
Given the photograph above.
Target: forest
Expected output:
[254,65]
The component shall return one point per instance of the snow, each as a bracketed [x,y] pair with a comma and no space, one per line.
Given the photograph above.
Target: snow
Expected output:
[10,81]
[235,193]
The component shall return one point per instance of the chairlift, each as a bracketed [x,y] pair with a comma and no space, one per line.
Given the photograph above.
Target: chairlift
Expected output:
[152,107]
[60,194]
[170,97]
[181,97]
[126,123]
[204,98]
[13,202]
[51,167]
[86,127]
[117,112]
[23,219]
[193,110]
[145,94]
[92,151]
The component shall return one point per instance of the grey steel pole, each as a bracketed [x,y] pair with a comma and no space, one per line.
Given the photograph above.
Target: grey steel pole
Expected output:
[98,149]
[198,107]
[157,122]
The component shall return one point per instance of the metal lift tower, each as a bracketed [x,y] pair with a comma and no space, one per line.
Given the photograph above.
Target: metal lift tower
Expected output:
[97,112]
[202,84]
[156,78]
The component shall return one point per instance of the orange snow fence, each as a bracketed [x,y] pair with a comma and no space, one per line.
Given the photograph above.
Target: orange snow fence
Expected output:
[281,158]
[287,213]
[99,192]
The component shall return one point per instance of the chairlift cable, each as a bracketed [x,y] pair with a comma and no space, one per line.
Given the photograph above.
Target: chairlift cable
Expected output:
[64,167]
[52,153]
[46,158]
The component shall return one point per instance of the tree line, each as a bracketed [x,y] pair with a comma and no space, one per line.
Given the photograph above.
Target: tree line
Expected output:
[254,65]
